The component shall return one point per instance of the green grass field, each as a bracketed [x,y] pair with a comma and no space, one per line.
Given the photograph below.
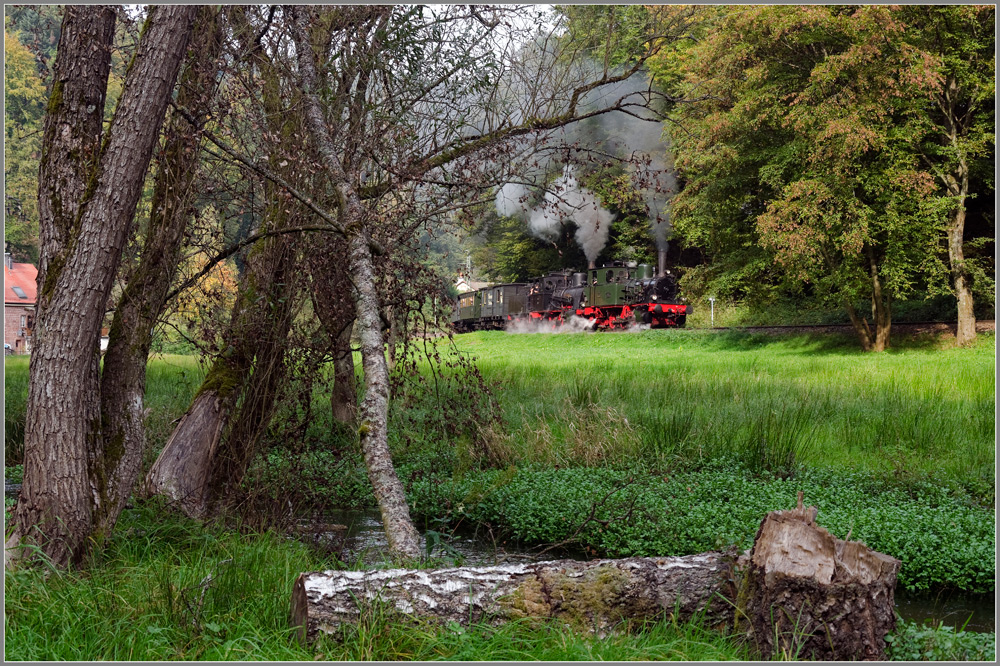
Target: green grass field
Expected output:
[662,395]
[703,432]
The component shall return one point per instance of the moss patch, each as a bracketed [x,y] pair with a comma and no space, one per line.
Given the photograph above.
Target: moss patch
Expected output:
[223,379]
[593,599]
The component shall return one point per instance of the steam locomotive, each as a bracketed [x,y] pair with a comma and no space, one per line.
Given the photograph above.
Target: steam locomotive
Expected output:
[612,296]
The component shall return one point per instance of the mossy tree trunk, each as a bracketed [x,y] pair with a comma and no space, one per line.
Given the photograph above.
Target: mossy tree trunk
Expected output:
[88,197]
[123,380]
[800,593]
[207,454]
[334,308]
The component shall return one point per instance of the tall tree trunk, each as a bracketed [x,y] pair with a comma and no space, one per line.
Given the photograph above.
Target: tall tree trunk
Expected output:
[402,536]
[877,340]
[200,459]
[262,353]
[399,529]
[881,311]
[55,505]
[71,131]
[123,382]
[860,326]
[64,450]
[966,332]
[392,339]
[344,397]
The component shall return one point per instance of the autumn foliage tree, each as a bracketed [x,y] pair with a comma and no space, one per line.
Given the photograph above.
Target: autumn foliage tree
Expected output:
[955,137]
[809,148]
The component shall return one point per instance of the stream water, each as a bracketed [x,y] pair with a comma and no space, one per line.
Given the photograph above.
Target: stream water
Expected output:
[364,541]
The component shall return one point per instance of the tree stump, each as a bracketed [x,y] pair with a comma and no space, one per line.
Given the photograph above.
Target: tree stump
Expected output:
[594,596]
[804,594]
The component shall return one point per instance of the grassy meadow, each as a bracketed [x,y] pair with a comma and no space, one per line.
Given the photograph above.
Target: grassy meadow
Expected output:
[672,442]
[774,402]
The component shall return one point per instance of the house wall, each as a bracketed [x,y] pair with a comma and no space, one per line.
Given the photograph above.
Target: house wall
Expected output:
[12,328]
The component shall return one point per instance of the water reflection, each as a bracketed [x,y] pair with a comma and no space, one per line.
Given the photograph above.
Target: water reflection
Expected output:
[364,541]
[951,609]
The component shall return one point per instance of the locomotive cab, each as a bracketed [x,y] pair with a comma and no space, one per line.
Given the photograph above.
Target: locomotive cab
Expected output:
[620,294]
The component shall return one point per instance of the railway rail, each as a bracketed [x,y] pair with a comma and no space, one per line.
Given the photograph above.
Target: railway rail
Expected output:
[982,325]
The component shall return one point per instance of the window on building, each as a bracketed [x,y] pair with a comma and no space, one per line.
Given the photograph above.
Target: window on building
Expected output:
[23,322]
[20,294]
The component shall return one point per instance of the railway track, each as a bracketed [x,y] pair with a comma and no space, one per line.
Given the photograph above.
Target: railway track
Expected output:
[908,327]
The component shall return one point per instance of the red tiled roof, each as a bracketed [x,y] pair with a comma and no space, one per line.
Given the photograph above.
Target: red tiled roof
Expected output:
[22,276]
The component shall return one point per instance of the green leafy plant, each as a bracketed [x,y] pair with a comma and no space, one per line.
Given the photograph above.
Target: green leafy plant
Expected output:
[913,641]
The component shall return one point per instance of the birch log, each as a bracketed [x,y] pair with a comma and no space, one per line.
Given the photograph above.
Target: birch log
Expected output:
[592,595]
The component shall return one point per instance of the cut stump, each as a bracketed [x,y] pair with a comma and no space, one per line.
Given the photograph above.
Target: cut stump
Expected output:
[593,596]
[805,594]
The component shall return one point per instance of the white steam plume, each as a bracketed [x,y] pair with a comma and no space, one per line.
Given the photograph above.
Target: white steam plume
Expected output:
[512,200]
[632,137]
[592,220]
[565,199]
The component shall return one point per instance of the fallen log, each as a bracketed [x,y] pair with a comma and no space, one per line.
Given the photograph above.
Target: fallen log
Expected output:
[805,594]
[592,596]
[800,593]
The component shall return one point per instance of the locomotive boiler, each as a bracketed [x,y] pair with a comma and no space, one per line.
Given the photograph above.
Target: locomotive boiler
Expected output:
[613,296]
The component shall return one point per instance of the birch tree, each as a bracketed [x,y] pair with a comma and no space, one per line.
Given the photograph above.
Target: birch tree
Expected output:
[348,126]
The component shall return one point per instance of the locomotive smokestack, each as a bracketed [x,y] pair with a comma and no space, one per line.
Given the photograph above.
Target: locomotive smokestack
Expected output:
[592,264]
[661,263]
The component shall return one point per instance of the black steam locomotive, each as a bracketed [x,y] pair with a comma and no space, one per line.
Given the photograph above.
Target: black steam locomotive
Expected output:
[613,296]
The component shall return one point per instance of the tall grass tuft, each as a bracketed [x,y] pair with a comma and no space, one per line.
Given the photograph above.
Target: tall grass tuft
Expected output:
[776,441]
[164,588]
